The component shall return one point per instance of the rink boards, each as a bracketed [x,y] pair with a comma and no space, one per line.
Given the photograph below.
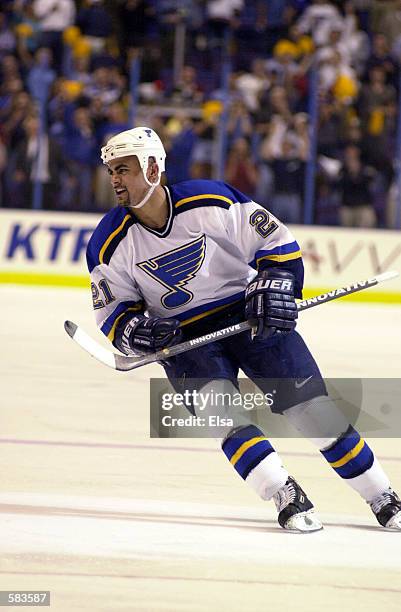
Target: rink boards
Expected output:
[48,248]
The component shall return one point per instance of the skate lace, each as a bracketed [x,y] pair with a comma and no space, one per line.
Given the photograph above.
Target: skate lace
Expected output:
[389,497]
[284,496]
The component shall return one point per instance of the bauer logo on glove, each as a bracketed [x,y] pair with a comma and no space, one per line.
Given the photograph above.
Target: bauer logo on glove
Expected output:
[284,286]
[270,303]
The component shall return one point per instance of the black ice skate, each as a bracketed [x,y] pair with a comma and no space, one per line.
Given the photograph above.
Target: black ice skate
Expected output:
[387,509]
[295,510]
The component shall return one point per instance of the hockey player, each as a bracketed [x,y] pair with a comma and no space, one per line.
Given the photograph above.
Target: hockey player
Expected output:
[178,261]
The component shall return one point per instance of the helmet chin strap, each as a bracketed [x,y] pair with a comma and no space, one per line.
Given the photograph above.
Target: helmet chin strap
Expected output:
[149,193]
[146,198]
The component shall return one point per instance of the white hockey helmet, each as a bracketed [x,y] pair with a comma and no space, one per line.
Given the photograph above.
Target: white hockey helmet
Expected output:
[140,141]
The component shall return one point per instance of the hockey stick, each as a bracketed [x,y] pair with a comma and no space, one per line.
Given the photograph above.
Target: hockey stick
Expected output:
[124,363]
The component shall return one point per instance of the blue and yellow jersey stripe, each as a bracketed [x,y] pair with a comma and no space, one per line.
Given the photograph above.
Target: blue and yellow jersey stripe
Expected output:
[116,236]
[202,193]
[205,200]
[288,256]
[281,253]
[107,236]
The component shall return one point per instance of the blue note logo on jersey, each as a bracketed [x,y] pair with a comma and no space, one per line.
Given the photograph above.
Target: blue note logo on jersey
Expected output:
[175,269]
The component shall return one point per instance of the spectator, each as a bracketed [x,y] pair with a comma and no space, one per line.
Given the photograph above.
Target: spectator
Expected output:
[295,42]
[180,152]
[377,109]
[241,171]
[7,37]
[97,111]
[375,96]
[36,158]
[105,85]
[222,15]
[288,167]
[12,128]
[278,19]
[41,74]
[116,120]
[337,42]
[285,67]
[151,72]
[187,91]
[250,34]
[80,149]
[59,100]
[80,70]
[8,90]
[354,40]
[380,56]
[330,127]
[386,18]
[252,84]
[274,102]
[27,30]
[336,76]
[204,152]
[327,195]
[95,24]
[355,185]
[300,127]
[10,68]
[239,123]
[54,17]
[317,20]
[279,120]
[163,19]
[230,95]
[222,18]
[132,19]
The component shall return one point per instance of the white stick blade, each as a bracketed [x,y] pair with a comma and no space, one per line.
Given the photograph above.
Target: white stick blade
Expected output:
[89,345]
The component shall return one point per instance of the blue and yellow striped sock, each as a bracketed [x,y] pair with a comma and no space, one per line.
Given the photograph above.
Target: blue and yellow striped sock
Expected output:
[245,448]
[350,456]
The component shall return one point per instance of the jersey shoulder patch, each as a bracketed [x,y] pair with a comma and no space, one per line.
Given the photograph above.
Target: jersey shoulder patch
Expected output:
[200,193]
[112,228]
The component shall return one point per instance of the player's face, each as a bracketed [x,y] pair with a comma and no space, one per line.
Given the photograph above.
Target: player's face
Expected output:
[127,180]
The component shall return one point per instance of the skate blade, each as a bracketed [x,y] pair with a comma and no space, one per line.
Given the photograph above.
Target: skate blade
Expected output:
[304,522]
[394,523]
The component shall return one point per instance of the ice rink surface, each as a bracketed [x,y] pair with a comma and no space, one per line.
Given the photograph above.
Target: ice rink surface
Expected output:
[106,518]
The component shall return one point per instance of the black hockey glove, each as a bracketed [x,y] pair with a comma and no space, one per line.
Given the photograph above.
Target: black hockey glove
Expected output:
[270,303]
[147,334]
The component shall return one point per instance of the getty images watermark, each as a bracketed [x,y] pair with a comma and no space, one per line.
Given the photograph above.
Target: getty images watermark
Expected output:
[212,410]
[194,409]
[201,400]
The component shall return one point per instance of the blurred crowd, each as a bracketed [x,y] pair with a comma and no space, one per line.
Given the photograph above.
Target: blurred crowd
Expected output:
[84,50]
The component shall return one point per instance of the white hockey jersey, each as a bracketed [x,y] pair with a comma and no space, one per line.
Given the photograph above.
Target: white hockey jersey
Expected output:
[200,262]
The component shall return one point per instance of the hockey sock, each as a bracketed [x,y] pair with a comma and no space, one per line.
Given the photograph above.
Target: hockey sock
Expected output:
[321,421]
[255,460]
[353,459]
